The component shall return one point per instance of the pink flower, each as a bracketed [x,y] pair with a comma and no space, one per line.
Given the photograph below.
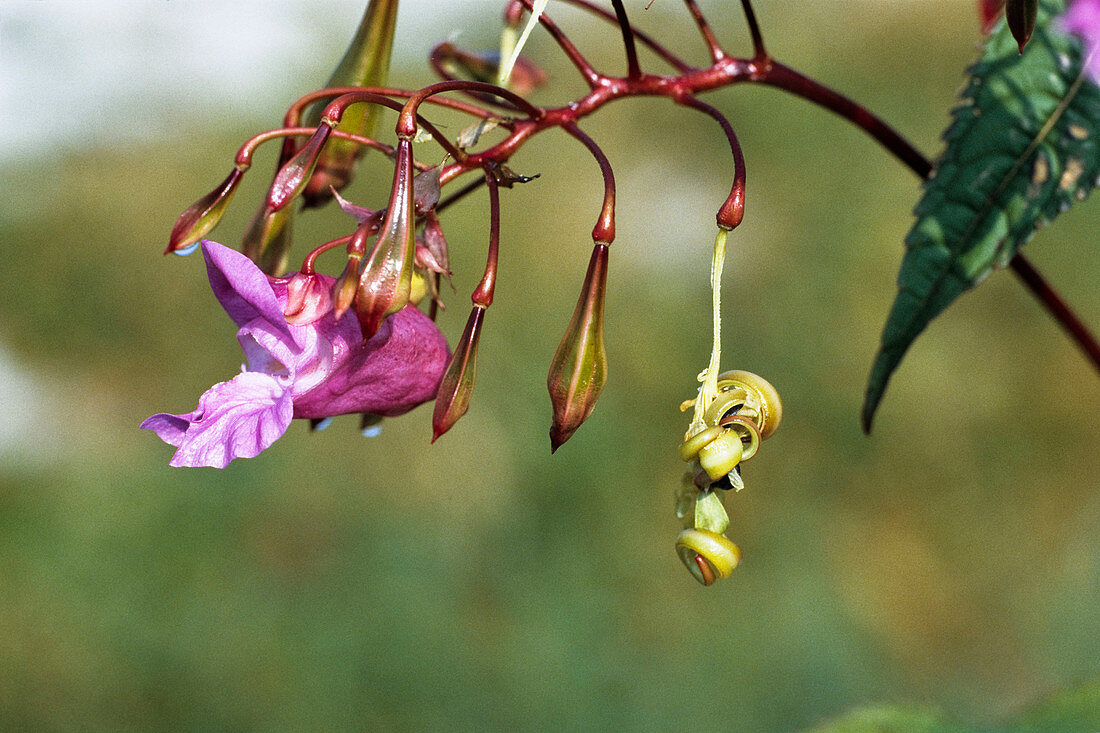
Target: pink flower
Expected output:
[314,366]
[1083,19]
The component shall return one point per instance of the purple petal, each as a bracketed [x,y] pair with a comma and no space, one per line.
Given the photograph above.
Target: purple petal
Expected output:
[398,369]
[234,419]
[243,290]
[1083,19]
[304,361]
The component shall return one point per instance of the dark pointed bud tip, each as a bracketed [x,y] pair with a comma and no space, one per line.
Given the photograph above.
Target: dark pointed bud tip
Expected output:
[558,437]
[579,369]
[453,396]
[292,177]
[1021,15]
[203,215]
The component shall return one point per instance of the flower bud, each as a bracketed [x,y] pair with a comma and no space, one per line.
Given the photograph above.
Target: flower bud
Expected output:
[426,261]
[203,215]
[525,77]
[436,243]
[292,177]
[579,369]
[426,190]
[343,290]
[386,281]
[453,396]
[1020,15]
[307,299]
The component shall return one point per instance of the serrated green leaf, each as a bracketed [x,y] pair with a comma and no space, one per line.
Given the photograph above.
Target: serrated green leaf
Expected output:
[1021,148]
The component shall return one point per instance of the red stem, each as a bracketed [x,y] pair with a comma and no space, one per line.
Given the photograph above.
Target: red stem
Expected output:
[244,154]
[733,210]
[407,120]
[307,263]
[1057,308]
[591,76]
[335,110]
[783,77]
[667,56]
[633,71]
[483,294]
[725,71]
[604,231]
[759,53]
[716,51]
[295,111]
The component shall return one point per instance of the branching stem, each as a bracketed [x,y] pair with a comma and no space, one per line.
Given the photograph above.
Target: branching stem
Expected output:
[683,88]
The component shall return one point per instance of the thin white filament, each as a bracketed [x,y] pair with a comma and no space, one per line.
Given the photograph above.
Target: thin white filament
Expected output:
[511,55]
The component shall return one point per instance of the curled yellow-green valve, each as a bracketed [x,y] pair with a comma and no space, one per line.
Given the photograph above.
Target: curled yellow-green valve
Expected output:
[721,455]
[708,555]
[691,447]
[728,429]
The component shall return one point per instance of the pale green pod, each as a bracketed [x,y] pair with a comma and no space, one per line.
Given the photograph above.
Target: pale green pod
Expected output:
[747,432]
[729,401]
[708,555]
[721,455]
[762,397]
[691,447]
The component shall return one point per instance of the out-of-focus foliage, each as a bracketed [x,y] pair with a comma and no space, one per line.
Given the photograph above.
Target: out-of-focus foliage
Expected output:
[1021,149]
[1073,711]
[949,561]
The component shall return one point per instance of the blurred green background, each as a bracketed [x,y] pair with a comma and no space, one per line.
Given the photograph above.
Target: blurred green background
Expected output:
[951,560]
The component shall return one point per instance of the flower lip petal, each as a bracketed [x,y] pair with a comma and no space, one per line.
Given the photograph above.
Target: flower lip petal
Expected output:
[243,290]
[234,419]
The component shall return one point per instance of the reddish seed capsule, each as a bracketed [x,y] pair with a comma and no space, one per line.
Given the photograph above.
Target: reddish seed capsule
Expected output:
[579,369]
[453,397]
[203,215]
[386,283]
